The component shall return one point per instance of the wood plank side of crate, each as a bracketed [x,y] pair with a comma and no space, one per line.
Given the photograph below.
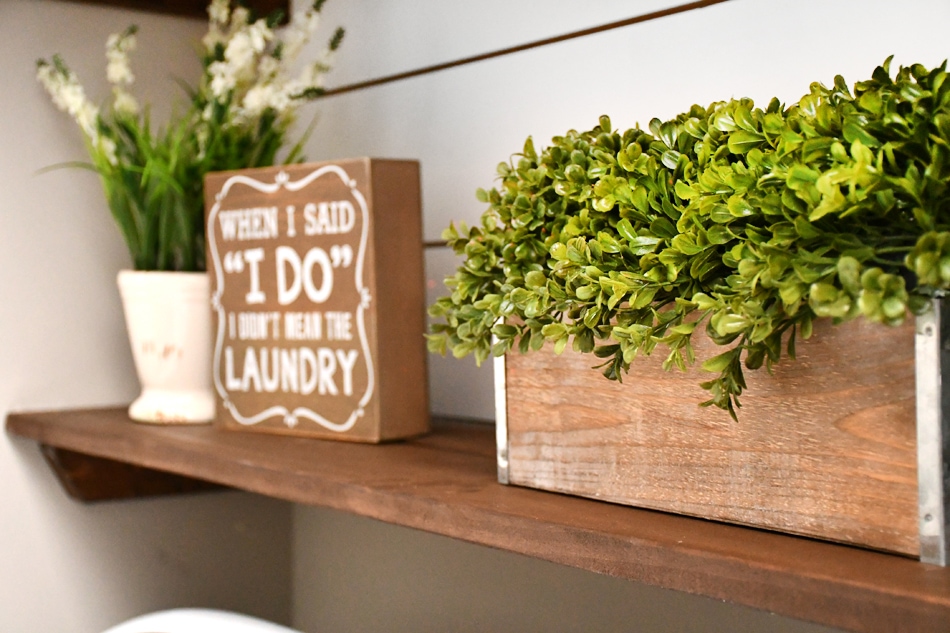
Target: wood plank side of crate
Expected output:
[824,447]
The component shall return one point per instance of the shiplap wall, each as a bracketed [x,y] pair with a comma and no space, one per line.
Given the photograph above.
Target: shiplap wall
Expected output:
[354,575]
[461,122]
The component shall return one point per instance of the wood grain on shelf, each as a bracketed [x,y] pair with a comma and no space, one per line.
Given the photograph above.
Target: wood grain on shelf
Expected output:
[826,446]
[445,483]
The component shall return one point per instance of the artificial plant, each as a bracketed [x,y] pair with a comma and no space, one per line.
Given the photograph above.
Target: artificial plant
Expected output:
[747,223]
[238,115]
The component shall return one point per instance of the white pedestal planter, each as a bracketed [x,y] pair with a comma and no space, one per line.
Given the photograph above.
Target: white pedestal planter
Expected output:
[169,323]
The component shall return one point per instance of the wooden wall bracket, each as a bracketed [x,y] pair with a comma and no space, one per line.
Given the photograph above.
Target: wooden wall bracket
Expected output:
[87,478]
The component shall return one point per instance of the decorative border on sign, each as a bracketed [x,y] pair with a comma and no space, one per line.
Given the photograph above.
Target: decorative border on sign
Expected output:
[291,418]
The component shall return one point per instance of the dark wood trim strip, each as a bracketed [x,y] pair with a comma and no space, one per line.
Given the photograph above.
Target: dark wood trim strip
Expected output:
[197,9]
[646,17]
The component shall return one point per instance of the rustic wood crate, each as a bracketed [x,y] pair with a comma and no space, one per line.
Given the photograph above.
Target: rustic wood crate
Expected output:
[318,299]
[824,447]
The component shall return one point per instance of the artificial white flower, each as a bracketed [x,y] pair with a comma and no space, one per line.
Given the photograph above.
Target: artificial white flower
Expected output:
[223,80]
[106,147]
[124,103]
[68,95]
[257,100]
[212,38]
[87,116]
[268,68]
[301,29]
[239,17]
[118,72]
[201,135]
[313,73]
[240,55]
[245,98]
[118,47]
[259,34]
[219,11]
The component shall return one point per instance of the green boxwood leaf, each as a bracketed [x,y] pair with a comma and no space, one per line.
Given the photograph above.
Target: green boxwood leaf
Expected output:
[742,141]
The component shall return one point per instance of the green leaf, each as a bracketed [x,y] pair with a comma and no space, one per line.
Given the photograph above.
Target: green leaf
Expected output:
[626,230]
[855,132]
[849,272]
[643,298]
[742,141]
[535,279]
[670,158]
[502,330]
[684,191]
[663,228]
[739,207]
[719,363]
[585,293]
[725,323]
[799,175]
[743,118]
[643,244]
[437,344]
[719,234]
[723,121]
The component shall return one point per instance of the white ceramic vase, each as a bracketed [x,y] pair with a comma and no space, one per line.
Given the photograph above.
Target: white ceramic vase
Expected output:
[169,323]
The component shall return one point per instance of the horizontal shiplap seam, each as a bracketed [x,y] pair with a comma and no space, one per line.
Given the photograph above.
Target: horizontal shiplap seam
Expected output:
[646,17]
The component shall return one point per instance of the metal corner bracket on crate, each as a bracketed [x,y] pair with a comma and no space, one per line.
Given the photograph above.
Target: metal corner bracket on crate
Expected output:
[932,359]
[932,364]
[501,418]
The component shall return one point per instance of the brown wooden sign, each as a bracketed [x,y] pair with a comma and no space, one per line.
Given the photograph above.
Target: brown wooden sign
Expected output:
[317,299]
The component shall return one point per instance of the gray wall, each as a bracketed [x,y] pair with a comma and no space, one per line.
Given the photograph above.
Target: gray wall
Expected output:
[356,575]
[67,567]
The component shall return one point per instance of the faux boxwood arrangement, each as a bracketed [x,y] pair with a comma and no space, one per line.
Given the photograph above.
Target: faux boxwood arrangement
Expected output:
[747,222]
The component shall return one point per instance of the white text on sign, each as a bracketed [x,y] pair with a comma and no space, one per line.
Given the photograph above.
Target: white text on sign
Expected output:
[302,370]
[295,274]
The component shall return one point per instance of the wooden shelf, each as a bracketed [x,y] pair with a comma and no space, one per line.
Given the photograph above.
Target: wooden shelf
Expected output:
[445,483]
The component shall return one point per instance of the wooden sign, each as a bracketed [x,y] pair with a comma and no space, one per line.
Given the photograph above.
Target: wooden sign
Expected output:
[318,299]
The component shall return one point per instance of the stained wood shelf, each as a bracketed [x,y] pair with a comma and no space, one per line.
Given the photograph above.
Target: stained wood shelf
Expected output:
[445,483]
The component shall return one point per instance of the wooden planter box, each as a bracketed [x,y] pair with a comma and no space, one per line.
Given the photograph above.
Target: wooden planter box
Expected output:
[824,447]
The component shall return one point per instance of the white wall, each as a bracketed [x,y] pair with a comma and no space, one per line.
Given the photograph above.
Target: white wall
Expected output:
[67,567]
[71,568]
[353,575]
[461,122]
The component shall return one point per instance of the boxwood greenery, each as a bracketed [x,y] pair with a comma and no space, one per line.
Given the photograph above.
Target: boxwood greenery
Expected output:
[749,223]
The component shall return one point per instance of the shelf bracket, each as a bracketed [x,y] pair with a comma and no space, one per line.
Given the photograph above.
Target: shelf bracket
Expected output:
[87,478]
